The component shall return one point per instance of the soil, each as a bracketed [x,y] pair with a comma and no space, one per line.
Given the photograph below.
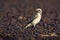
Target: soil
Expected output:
[16,14]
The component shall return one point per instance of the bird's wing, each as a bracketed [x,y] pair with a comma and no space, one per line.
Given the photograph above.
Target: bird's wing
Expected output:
[34,16]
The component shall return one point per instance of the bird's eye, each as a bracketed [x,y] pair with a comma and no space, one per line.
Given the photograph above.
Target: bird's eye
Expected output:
[38,10]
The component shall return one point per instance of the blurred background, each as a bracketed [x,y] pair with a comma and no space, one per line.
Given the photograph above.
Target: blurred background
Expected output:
[16,14]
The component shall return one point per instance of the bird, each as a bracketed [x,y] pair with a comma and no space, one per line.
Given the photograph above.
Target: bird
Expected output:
[36,18]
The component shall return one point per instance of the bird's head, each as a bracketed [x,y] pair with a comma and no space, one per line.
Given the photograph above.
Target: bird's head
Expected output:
[39,10]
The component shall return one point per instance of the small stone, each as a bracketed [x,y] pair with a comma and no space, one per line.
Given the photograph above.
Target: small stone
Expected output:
[20,17]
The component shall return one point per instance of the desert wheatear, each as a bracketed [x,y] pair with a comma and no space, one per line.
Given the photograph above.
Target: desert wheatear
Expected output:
[36,19]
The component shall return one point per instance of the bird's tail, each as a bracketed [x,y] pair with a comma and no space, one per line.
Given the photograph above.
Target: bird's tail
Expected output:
[28,26]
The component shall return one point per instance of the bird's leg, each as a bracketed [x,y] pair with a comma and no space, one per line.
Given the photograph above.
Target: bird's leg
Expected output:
[34,25]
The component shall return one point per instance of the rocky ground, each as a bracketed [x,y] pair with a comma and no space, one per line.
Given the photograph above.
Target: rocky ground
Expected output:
[16,14]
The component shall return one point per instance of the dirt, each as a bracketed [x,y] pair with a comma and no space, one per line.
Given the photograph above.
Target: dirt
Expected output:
[16,14]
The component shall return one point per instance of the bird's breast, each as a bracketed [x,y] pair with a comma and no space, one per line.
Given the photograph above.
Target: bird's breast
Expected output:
[37,19]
